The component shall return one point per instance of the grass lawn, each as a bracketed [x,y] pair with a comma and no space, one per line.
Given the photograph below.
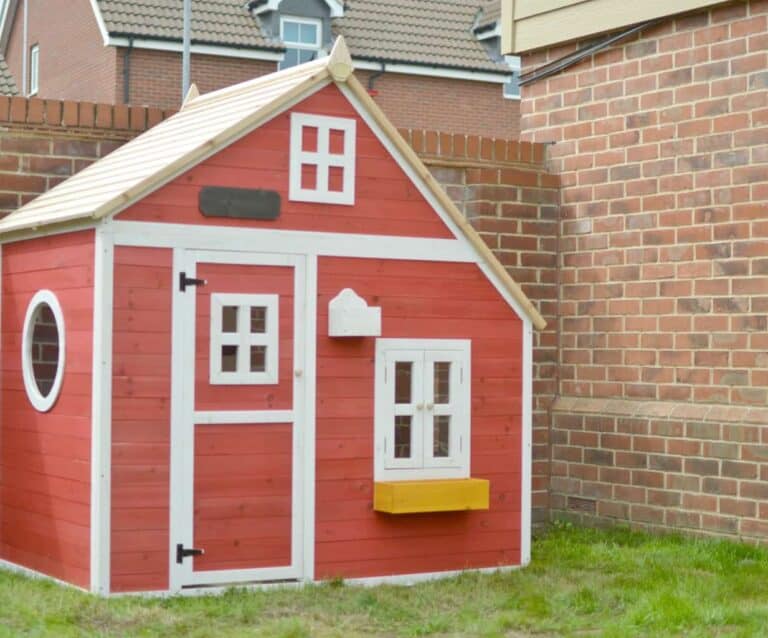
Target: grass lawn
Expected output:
[580,583]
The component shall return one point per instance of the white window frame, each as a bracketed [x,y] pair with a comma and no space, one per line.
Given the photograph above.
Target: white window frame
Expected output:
[422,353]
[322,159]
[316,46]
[34,69]
[39,402]
[244,338]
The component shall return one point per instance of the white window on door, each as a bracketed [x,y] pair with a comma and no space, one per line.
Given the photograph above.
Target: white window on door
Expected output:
[244,339]
[422,419]
[322,165]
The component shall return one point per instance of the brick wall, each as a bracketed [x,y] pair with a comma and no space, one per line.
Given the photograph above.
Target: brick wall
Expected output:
[42,142]
[662,147]
[506,193]
[74,64]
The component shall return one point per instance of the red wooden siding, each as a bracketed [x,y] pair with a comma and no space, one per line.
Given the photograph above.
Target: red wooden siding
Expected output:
[243,495]
[232,278]
[418,300]
[45,457]
[387,203]
[141,418]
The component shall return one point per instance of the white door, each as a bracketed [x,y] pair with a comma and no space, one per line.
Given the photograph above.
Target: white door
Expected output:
[237,444]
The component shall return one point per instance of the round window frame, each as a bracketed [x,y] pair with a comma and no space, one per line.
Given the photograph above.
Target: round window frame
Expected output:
[39,402]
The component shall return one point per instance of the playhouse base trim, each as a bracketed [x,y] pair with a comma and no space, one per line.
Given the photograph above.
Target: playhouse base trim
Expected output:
[447,495]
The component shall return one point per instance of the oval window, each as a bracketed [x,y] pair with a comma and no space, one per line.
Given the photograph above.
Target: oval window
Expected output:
[42,350]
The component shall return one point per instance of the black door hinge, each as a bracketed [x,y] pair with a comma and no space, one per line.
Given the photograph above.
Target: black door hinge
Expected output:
[182,553]
[185,281]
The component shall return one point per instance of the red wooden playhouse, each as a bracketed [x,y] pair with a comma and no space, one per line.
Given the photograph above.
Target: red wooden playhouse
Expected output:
[259,344]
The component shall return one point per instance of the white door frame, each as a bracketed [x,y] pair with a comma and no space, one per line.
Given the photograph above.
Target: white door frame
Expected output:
[184,418]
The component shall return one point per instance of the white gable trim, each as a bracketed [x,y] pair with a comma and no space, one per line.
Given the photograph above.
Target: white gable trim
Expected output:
[100,21]
[435,71]
[335,7]
[427,193]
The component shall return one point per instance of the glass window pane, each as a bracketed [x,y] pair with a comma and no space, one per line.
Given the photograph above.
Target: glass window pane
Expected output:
[441,446]
[308,33]
[258,358]
[229,319]
[403,381]
[258,319]
[291,58]
[290,31]
[335,179]
[442,377]
[402,437]
[229,358]
[306,55]
[45,349]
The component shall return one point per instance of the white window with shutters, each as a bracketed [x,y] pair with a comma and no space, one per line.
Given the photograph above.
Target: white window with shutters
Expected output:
[422,409]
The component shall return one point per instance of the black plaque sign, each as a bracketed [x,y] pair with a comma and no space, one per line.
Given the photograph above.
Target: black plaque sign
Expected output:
[239,203]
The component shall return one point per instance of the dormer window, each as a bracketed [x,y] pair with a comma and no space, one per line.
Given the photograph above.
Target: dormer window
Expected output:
[302,38]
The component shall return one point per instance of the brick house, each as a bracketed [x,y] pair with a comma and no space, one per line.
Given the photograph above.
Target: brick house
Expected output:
[435,65]
[656,120]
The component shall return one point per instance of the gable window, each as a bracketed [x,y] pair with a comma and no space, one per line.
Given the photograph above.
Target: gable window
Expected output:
[322,165]
[34,69]
[302,39]
[422,418]
[244,339]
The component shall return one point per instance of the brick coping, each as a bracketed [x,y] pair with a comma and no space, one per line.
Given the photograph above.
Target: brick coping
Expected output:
[661,410]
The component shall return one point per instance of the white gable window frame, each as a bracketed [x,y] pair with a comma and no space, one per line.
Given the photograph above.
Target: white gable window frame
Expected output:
[306,50]
[322,159]
[243,338]
[422,408]
[40,401]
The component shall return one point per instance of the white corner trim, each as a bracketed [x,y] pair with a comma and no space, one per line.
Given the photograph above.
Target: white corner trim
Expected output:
[197,49]
[432,71]
[309,407]
[100,21]
[39,402]
[101,410]
[526,445]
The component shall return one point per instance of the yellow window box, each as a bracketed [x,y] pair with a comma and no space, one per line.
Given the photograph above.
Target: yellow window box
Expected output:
[445,495]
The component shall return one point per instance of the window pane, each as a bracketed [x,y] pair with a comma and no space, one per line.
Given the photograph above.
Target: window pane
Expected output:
[335,179]
[290,31]
[309,138]
[336,141]
[229,358]
[258,319]
[258,358]
[403,381]
[306,55]
[402,437]
[442,387]
[229,319]
[291,58]
[309,177]
[441,446]
[308,33]
[45,349]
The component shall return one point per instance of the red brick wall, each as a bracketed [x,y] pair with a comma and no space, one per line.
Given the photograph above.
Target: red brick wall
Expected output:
[507,194]
[74,64]
[660,143]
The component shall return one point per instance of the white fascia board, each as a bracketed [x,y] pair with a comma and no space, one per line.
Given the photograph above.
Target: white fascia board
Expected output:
[100,22]
[432,71]
[5,25]
[490,33]
[198,49]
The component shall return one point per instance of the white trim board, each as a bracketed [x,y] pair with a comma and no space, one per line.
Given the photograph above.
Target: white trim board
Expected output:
[100,22]
[526,446]
[101,410]
[433,71]
[162,235]
[196,49]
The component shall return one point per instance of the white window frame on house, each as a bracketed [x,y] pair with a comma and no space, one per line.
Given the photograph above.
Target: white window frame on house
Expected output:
[301,46]
[41,402]
[422,354]
[243,338]
[34,69]
[322,159]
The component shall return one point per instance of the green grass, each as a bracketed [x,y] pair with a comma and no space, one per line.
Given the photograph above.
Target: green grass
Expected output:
[581,583]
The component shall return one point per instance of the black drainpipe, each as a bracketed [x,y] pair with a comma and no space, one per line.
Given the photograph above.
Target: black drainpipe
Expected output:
[375,76]
[127,73]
